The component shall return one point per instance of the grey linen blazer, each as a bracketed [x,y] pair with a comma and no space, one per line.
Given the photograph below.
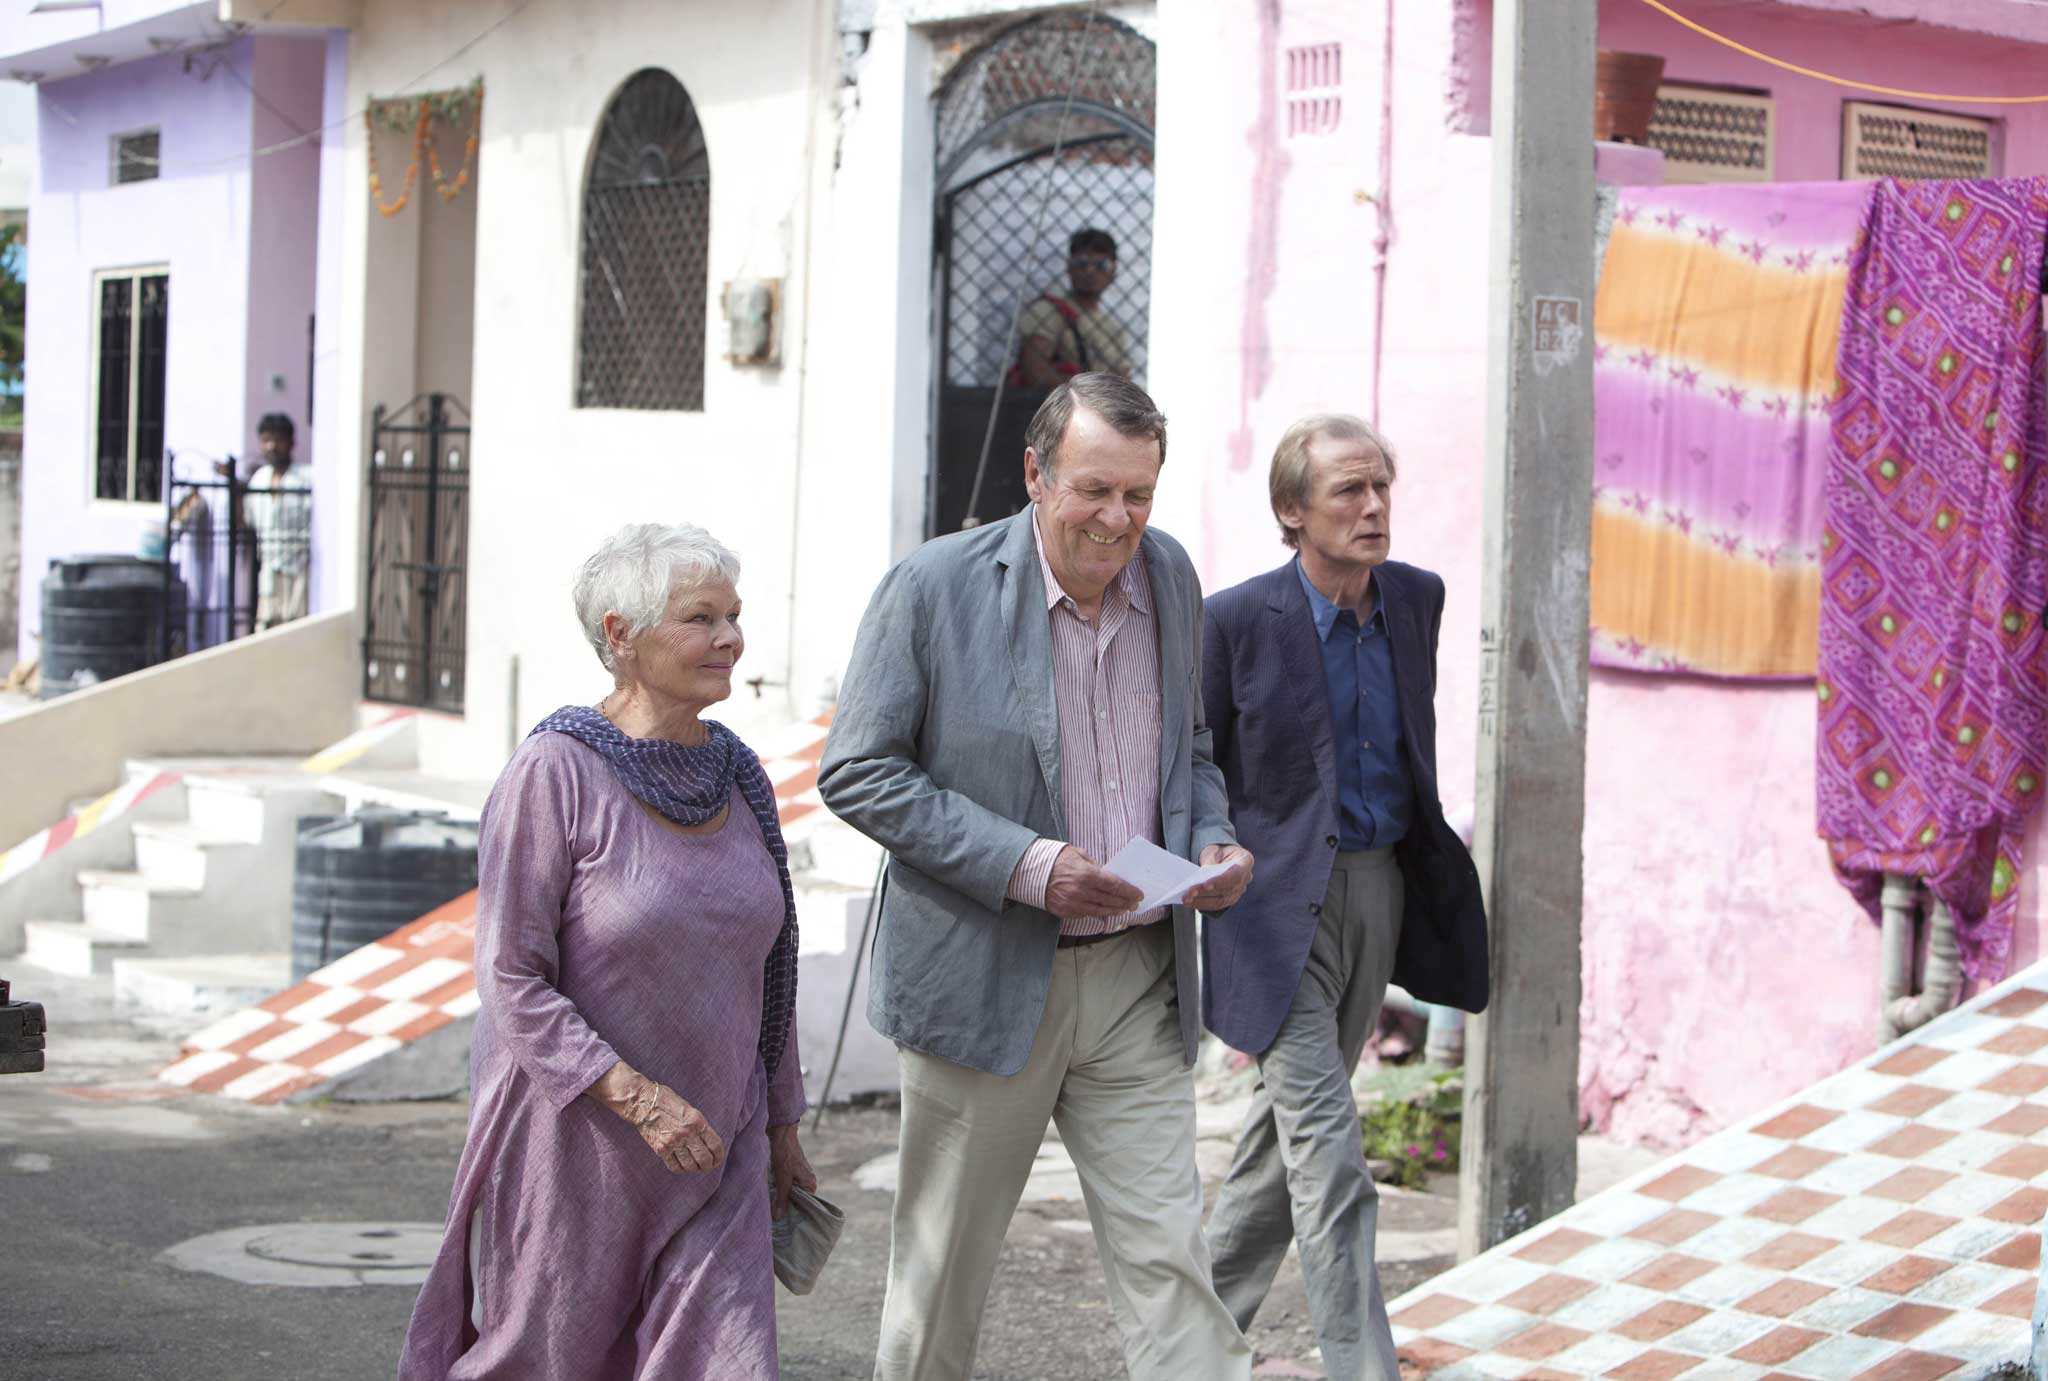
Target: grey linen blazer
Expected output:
[945,750]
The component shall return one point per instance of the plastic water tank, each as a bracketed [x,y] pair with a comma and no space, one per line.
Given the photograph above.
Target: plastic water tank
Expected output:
[104,616]
[356,878]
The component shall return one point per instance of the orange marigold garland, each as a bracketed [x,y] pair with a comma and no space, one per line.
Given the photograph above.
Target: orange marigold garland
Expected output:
[412,169]
[450,191]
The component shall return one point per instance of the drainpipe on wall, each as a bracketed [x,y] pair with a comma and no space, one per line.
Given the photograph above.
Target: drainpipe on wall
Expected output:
[1444,1045]
[849,16]
[1900,1008]
[513,735]
[1383,241]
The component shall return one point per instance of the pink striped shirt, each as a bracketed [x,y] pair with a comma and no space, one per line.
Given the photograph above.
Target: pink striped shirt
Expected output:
[1105,678]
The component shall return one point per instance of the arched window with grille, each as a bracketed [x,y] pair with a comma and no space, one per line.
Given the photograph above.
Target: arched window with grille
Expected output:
[646,242]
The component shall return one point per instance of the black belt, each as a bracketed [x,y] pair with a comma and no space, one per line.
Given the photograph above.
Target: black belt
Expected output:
[1078,941]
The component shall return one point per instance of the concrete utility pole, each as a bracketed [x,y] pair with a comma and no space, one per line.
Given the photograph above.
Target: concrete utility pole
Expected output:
[1520,1150]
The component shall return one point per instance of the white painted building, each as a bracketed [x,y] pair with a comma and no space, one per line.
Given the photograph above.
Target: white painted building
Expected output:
[477,297]
[818,131]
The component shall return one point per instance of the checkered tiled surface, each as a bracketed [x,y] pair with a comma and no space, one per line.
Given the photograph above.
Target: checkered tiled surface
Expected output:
[791,761]
[412,982]
[1884,1226]
[364,1005]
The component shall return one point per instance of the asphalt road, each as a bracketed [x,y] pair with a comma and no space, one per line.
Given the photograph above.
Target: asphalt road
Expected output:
[100,1174]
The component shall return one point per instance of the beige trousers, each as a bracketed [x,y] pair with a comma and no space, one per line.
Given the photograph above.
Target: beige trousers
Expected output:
[1106,1067]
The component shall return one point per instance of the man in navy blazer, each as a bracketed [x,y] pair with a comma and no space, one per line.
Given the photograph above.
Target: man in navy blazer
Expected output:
[1319,678]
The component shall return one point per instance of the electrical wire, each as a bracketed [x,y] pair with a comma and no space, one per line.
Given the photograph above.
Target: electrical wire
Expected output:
[1853,85]
[223,61]
[314,136]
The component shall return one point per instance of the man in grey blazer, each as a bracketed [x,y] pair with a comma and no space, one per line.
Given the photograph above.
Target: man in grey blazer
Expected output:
[1025,698]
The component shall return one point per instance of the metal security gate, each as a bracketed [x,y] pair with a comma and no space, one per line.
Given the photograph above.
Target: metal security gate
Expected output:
[238,555]
[1049,121]
[416,583]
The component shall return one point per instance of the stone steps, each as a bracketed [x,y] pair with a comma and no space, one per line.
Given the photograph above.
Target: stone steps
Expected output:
[76,947]
[189,904]
[198,985]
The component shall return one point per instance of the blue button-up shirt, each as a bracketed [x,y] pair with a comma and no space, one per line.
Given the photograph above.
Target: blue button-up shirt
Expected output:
[1373,790]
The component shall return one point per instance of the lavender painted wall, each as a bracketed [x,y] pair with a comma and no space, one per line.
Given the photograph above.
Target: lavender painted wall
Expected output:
[1976,54]
[193,218]
[1724,968]
[200,219]
[284,227]
[335,470]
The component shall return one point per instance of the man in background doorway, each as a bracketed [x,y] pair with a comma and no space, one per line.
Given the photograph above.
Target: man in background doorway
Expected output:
[280,509]
[1063,335]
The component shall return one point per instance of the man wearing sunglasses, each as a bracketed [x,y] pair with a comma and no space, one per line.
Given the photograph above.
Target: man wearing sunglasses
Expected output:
[1064,334]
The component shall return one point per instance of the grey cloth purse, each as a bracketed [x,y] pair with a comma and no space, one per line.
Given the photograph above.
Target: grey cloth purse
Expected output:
[804,1237]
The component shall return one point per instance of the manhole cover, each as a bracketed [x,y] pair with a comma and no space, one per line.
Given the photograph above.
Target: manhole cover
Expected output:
[349,1246]
[314,1254]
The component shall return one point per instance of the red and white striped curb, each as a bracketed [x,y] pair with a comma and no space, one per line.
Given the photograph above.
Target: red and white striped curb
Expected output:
[411,983]
[364,1005]
[118,802]
[112,806]
[338,755]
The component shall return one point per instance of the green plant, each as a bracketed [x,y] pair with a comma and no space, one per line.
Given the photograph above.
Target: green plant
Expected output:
[13,307]
[398,113]
[1410,1117]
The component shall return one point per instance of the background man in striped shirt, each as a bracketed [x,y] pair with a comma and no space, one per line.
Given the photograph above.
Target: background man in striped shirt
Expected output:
[1024,699]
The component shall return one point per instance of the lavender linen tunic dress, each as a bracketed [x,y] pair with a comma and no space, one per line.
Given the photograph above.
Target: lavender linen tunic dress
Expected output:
[602,935]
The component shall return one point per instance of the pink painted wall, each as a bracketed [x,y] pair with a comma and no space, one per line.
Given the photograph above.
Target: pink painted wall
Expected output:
[1724,968]
[1977,54]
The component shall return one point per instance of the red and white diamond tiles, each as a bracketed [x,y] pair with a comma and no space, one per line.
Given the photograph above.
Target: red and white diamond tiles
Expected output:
[1884,1226]
[411,983]
[366,1004]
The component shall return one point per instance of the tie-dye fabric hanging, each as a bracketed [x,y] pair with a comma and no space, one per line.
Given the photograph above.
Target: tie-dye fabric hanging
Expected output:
[1714,358]
[1933,684]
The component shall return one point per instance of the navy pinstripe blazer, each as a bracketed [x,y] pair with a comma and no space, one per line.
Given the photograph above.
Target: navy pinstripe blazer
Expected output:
[1269,713]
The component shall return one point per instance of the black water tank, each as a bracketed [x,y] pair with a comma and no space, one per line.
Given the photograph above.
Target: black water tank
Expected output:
[357,878]
[103,616]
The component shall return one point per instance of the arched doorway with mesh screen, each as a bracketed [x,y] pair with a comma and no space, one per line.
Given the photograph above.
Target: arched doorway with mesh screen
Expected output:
[1042,131]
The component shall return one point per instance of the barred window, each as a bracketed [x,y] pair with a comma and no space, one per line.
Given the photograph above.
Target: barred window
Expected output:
[129,356]
[135,156]
[646,241]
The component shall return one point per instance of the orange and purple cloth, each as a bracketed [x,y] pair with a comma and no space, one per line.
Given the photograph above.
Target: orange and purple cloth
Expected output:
[1714,358]
[1933,676]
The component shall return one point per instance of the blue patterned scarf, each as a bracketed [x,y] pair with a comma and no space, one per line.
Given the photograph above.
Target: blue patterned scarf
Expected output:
[690,786]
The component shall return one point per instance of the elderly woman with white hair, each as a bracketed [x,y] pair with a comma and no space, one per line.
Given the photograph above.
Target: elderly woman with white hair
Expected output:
[634,1079]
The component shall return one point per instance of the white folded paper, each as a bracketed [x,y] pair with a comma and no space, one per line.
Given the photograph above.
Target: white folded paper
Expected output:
[1161,876]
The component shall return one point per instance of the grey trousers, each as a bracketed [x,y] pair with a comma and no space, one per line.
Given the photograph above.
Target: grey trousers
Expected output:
[1300,1169]
[1106,1068]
